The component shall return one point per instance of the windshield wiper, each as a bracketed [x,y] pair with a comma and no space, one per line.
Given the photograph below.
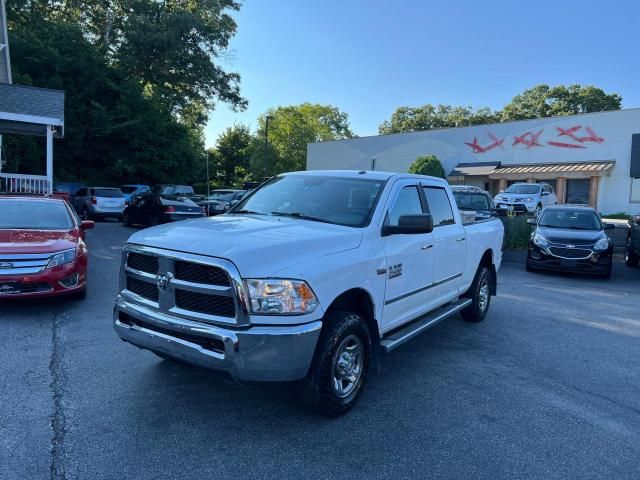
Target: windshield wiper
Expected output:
[245,212]
[300,215]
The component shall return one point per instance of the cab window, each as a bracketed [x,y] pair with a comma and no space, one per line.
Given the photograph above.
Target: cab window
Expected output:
[407,203]
[439,206]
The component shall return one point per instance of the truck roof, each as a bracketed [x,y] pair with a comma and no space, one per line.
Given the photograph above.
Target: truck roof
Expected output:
[373,175]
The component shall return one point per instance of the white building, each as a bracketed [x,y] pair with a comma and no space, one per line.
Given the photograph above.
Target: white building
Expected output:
[587,158]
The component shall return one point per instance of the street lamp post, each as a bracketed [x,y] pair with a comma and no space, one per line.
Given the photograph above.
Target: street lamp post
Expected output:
[266,143]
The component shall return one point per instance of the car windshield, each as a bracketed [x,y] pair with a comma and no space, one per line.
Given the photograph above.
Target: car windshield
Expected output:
[108,193]
[520,188]
[337,200]
[174,190]
[128,189]
[222,195]
[569,218]
[34,215]
[471,201]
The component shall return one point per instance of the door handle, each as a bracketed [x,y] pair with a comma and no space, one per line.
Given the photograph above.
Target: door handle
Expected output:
[460,239]
[426,246]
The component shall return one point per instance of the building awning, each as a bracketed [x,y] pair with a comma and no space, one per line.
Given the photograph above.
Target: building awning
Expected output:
[552,170]
[477,168]
[28,110]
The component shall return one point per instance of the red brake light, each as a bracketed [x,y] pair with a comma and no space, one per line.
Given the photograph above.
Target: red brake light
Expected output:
[170,209]
[94,201]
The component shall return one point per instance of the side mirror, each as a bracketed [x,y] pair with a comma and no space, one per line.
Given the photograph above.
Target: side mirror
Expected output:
[609,226]
[532,221]
[410,224]
[544,194]
[87,224]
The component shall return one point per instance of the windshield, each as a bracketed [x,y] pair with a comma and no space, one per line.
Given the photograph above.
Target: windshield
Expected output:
[34,215]
[523,189]
[222,195]
[108,193]
[471,201]
[174,190]
[337,200]
[572,219]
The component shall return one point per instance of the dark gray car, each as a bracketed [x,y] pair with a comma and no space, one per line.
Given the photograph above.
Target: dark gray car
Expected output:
[99,202]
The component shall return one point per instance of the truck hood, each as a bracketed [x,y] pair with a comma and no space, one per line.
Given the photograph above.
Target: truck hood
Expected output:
[260,246]
[37,241]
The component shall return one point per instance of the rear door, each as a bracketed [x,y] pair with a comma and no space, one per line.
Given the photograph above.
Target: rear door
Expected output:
[449,243]
[409,272]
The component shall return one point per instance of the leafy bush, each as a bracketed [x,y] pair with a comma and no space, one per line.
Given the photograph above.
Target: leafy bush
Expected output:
[616,216]
[427,165]
[516,232]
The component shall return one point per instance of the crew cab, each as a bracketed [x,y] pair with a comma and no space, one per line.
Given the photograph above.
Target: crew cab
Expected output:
[42,248]
[309,278]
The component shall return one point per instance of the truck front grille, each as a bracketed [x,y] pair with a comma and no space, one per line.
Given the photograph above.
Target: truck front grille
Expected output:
[203,303]
[198,273]
[193,287]
[144,289]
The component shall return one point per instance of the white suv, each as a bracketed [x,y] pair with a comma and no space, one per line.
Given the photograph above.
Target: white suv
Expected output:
[526,198]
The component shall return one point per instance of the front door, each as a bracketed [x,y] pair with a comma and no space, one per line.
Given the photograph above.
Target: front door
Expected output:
[409,260]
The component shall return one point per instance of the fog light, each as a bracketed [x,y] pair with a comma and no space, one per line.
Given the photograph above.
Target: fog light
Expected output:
[71,281]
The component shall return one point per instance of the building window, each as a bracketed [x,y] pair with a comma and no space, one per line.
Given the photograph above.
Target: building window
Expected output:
[635,190]
[578,191]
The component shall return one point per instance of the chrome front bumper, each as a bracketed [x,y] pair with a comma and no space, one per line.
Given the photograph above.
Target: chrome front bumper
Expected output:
[260,353]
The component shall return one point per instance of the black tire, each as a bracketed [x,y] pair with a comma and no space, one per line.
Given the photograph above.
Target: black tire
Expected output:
[343,333]
[126,220]
[154,220]
[529,268]
[480,295]
[631,258]
[84,214]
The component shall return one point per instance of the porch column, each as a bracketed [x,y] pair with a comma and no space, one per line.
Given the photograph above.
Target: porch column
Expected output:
[50,159]
[502,184]
[561,189]
[593,191]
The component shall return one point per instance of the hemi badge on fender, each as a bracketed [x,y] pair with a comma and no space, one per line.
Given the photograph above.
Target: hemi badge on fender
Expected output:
[381,271]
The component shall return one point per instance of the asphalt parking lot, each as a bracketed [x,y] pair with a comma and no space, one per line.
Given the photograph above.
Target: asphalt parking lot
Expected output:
[548,386]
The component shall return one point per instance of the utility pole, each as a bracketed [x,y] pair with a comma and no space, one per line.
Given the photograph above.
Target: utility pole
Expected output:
[266,143]
[5,62]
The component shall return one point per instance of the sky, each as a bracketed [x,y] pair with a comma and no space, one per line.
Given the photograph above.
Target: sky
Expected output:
[368,57]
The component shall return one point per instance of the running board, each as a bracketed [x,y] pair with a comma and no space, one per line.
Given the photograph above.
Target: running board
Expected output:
[415,328]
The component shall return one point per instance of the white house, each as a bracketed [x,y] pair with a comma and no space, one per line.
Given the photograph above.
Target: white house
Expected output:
[591,158]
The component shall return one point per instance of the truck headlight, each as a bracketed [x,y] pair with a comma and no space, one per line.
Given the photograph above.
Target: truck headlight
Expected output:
[61,258]
[602,244]
[280,296]
[539,240]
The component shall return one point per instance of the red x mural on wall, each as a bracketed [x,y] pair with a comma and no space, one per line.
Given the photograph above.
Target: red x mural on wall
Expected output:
[578,142]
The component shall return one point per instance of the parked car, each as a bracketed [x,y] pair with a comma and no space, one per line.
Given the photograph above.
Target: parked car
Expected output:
[632,253]
[309,278]
[473,199]
[98,202]
[219,201]
[70,188]
[525,198]
[155,208]
[130,191]
[570,238]
[42,248]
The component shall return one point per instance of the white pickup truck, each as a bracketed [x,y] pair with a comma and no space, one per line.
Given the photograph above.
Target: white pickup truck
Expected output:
[310,278]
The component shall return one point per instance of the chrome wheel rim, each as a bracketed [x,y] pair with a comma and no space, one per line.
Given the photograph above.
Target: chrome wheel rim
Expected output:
[347,366]
[483,297]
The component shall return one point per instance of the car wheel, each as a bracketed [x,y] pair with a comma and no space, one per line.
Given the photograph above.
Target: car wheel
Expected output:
[631,258]
[528,267]
[538,210]
[154,220]
[480,295]
[340,365]
[84,214]
[126,220]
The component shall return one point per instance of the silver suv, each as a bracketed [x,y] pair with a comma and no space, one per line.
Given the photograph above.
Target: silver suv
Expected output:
[98,202]
[525,198]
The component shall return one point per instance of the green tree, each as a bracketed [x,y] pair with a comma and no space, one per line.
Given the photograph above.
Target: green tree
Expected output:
[545,101]
[291,128]
[427,117]
[230,159]
[427,165]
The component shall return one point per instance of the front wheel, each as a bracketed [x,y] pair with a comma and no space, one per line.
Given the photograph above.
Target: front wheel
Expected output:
[480,295]
[631,258]
[340,365]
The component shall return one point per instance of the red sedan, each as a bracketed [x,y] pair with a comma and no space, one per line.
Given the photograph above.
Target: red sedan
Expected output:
[42,249]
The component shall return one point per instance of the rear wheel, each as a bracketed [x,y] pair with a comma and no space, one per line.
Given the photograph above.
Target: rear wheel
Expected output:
[154,220]
[126,219]
[631,258]
[340,365]
[480,295]
[84,214]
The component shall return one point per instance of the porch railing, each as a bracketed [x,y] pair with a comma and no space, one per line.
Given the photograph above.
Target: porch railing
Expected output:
[15,183]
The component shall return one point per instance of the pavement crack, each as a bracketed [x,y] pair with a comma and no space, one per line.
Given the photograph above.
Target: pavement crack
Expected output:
[58,421]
